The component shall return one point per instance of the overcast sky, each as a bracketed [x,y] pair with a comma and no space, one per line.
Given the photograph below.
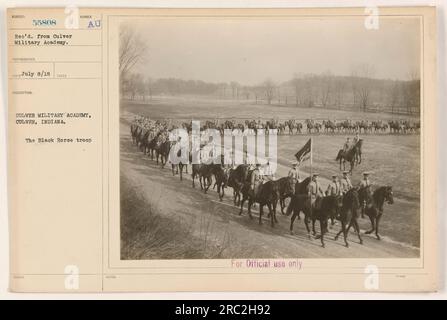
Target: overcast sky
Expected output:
[252,50]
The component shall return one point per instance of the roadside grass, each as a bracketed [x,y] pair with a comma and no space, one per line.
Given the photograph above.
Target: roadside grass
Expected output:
[147,234]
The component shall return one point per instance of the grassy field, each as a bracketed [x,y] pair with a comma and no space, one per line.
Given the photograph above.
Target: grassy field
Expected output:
[392,159]
[200,108]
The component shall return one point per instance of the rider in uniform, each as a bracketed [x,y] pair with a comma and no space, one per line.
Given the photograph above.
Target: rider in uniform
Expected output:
[333,188]
[315,192]
[345,183]
[356,139]
[256,180]
[347,145]
[365,183]
[293,172]
[267,171]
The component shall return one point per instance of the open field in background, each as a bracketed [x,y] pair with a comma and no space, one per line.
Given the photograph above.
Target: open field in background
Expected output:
[391,159]
[210,108]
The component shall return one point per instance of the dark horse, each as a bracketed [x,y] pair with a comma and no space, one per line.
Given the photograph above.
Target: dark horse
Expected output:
[349,156]
[300,189]
[178,168]
[327,208]
[349,215]
[374,205]
[267,195]
[330,206]
[162,151]
[286,188]
[236,180]
[298,201]
[358,154]
[221,178]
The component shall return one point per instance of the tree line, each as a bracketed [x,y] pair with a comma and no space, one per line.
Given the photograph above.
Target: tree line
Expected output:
[308,90]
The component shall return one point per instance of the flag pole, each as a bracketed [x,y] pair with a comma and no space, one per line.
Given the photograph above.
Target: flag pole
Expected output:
[311,156]
[311,159]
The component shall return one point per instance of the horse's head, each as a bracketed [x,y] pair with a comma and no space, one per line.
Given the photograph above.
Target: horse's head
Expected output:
[389,194]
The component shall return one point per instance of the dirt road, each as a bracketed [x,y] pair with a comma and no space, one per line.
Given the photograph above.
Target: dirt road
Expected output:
[219,226]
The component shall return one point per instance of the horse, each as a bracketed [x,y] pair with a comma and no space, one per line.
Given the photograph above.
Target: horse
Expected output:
[162,151]
[205,176]
[221,176]
[133,132]
[374,206]
[144,141]
[358,153]
[286,188]
[349,215]
[267,195]
[297,201]
[349,155]
[328,209]
[236,179]
[180,165]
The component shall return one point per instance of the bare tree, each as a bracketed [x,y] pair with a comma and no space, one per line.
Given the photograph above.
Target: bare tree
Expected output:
[339,88]
[393,96]
[269,90]
[148,86]
[362,84]
[131,50]
[326,87]
[309,96]
[412,91]
[235,89]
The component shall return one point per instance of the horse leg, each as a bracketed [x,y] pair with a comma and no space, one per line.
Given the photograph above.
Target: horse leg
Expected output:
[181,171]
[306,222]
[209,182]
[250,203]
[221,191]
[313,226]
[322,230]
[341,230]
[282,204]
[261,207]
[272,215]
[274,210]
[292,220]
[290,206]
[377,225]
[357,229]
[372,219]
[345,234]
[242,203]
[173,167]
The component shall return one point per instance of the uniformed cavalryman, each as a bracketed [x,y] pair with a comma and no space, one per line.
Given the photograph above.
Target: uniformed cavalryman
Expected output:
[256,179]
[267,171]
[315,192]
[347,145]
[345,183]
[333,188]
[365,182]
[293,172]
[356,139]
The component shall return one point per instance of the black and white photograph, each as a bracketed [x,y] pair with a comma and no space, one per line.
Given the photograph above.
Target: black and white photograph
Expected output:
[266,137]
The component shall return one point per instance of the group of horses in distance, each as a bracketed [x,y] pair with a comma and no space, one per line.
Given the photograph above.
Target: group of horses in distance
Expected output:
[346,208]
[312,126]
